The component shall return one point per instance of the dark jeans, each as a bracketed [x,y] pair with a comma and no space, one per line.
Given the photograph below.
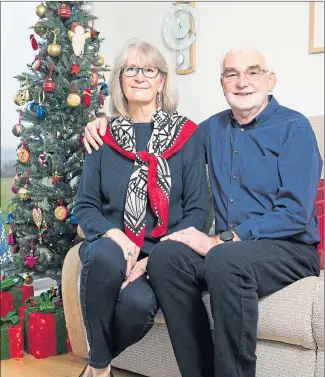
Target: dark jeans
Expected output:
[114,319]
[236,275]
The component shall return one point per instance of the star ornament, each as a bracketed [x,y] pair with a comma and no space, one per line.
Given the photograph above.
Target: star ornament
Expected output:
[75,69]
[30,260]
[94,34]
[56,178]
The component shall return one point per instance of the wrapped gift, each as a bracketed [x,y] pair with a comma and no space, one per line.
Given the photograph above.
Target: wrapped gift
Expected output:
[45,327]
[12,339]
[13,294]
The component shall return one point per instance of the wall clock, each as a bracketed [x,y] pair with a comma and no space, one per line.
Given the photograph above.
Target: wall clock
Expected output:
[180,29]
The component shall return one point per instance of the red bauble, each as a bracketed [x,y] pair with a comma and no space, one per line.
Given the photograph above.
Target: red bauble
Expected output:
[64,12]
[49,85]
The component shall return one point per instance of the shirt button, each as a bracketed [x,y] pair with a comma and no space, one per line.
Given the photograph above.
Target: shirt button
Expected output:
[236,151]
[233,177]
[231,200]
[231,226]
[242,130]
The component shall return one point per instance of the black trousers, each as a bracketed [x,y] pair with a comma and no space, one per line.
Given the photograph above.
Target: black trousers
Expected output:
[236,275]
[114,319]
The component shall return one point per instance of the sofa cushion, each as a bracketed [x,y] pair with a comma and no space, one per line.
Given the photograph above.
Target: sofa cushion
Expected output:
[287,316]
[318,314]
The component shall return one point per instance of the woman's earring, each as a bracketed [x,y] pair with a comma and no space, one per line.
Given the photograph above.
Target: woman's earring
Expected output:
[159,99]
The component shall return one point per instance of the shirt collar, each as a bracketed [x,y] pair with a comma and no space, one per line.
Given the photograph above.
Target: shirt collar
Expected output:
[261,117]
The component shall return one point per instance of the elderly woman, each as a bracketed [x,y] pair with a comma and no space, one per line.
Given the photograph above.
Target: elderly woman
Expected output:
[147,180]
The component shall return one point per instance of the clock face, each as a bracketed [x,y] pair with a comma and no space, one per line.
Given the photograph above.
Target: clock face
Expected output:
[180,27]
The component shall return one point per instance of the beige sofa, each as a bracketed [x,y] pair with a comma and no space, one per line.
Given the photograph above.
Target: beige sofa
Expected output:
[290,328]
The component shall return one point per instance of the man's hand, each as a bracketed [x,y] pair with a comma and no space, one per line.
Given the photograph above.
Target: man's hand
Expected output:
[193,238]
[130,250]
[138,270]
[92,138]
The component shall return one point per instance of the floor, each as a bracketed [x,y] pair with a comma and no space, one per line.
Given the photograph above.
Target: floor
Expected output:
[66,365]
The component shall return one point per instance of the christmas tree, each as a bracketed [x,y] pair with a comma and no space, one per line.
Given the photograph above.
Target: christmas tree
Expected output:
[59,93]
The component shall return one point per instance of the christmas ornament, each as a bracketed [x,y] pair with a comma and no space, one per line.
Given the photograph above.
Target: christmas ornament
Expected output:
[78,38]
[16,178]
[100,61]
[3,277]
[19,98]
[73,27]
[43,159]
[24,193]
[86,98]
[14,189]
[14,249]
[36,64]
[54,49]
[37,217]
[18,128]
[94,79]
[75,69]
[56,178]
[73,220]
[80,232]
[11,237]
[64,12]
[31,260]
[40,29]
[10,218]
[23,154]
[40,111]
[49,85]
[61,213]
[28,278]
[41,10]
[33,106]
[94,34]
[33,41]
[104,90]
[73,100]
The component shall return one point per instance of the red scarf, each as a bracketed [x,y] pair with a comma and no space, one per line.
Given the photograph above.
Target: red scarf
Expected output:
[151,173]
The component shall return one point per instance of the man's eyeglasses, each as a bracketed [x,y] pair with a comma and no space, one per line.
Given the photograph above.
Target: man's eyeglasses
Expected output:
[251,73]
[149,72]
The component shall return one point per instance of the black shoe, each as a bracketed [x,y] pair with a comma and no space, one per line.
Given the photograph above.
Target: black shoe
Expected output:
[83,372]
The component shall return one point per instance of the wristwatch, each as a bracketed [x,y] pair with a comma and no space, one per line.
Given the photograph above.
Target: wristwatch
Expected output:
[227,236]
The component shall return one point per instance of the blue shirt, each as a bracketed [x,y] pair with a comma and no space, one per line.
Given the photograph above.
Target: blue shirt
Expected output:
[264,175]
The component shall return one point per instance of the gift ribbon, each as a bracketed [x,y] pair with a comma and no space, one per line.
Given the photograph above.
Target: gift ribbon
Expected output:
[12,319]
[11,282]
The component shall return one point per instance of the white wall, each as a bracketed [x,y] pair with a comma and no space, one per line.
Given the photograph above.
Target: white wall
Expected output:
[281,29]
[16,52]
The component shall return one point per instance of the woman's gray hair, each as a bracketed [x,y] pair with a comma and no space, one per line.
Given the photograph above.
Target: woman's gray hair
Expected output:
[148,55]
[246,49]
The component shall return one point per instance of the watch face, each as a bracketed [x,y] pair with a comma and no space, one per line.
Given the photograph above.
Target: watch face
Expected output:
[180,27]
[226,236]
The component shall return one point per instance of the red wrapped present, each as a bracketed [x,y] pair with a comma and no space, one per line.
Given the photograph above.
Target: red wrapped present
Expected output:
[45,328]
[12,339]
[13,294]
[320,214]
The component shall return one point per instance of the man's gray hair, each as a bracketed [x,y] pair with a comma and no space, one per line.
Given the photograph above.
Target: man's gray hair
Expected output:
[246,49]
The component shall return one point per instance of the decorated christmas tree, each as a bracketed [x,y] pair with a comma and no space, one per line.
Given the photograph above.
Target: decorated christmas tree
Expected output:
[59,93]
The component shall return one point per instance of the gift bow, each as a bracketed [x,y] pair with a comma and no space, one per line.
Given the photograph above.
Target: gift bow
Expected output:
[11,282]
[12,319]
[44,303]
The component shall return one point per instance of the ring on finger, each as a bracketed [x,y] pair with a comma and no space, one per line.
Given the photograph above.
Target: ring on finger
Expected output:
[130,254]
[143,269]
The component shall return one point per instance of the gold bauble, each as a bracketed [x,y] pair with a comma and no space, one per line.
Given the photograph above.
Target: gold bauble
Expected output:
[100,61]
[61,213]
[23,155]
[24,193]
[73,100]
[54,49]
[19,98]
[28,279]
[41,10]
[80,232]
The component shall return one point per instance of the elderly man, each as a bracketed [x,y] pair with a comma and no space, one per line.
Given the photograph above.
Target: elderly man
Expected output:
[264,167]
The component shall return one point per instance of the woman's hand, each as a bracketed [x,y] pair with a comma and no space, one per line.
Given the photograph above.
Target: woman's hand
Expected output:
[92,138]
[130,250]
[138,270]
